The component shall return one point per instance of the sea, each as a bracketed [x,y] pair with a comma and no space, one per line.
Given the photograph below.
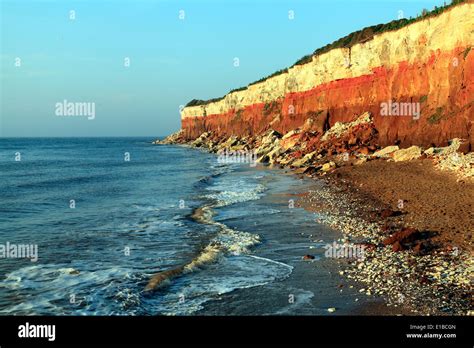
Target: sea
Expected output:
[125,227]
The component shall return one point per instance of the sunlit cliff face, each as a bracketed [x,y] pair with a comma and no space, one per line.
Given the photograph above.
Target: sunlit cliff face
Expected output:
[427,66]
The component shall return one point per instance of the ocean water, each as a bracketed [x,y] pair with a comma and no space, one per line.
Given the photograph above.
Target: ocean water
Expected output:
[227,230]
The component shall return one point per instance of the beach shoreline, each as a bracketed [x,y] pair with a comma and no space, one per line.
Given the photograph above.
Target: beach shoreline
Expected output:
[429,274]
[401,212]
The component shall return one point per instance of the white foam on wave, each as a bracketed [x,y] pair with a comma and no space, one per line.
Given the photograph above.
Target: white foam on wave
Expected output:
[236,242]
[229,240]
[237,194]
[189,294]
[99,292]
[229,266]
[252,214]
[227,243]
[273,261]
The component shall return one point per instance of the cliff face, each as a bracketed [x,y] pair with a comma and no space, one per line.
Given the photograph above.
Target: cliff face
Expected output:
[429,63]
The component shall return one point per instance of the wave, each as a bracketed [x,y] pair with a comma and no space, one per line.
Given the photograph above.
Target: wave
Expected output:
[226,241]
[96,292]
[89,261]
[190,294]
[238,192]
[217,170]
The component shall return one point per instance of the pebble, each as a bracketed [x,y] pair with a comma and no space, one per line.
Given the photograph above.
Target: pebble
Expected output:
[386,273]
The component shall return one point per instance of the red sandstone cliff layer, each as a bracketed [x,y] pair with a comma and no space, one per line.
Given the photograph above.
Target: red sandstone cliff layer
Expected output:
[437,77]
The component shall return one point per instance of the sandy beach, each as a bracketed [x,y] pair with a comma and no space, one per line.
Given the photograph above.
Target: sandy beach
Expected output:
[429,271]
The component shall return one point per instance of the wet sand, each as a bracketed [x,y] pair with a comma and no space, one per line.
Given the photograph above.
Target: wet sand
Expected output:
[313,285]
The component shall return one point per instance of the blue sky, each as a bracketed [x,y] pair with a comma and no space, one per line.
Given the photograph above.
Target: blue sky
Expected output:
[172,60]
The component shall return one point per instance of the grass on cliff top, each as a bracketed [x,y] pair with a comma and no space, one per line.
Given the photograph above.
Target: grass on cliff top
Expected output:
[348,41]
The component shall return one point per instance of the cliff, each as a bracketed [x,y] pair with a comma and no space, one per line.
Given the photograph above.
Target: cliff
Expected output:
[428,63]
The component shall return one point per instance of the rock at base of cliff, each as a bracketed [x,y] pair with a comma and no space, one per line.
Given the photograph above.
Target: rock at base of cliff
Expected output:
[386,151]
[408,154]
[328,166]
[174,138]
[340,128]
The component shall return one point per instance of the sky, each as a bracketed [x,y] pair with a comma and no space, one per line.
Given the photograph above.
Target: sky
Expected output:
[137,62]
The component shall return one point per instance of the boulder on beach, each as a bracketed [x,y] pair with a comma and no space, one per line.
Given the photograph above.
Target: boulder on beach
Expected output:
[307,159]
[328,166]
[408,154]
[404,236]
[386,151]
[340,128]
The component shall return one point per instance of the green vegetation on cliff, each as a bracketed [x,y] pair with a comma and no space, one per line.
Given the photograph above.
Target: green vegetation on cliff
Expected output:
[348,41]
